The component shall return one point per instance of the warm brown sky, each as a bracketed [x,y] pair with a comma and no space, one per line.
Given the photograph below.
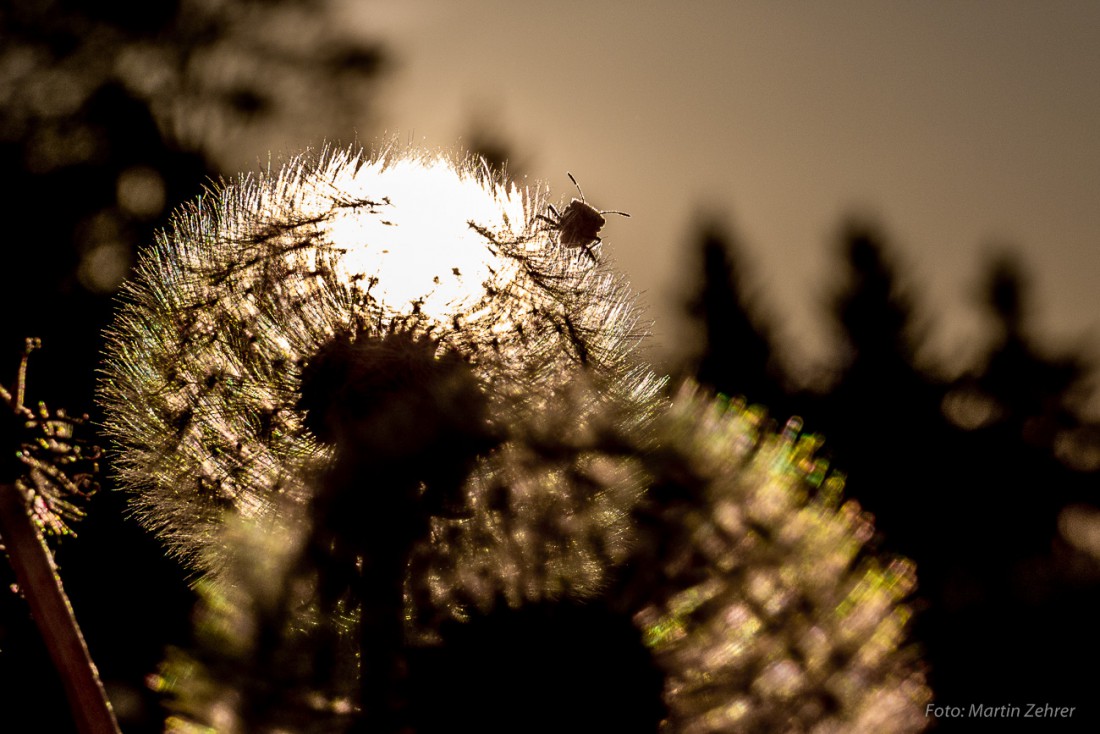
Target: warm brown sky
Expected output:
[956,124]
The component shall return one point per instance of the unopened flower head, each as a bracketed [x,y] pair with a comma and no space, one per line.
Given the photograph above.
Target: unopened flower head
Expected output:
[202,380]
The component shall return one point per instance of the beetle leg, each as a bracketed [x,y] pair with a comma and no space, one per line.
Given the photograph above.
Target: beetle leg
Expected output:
[588,249]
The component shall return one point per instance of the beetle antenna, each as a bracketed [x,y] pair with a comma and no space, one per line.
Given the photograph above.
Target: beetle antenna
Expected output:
[570,175]
[612,211]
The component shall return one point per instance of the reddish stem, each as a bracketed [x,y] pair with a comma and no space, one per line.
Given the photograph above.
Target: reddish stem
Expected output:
[41,586]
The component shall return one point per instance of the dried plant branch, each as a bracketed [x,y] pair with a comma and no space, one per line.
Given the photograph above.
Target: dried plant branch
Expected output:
[41,587]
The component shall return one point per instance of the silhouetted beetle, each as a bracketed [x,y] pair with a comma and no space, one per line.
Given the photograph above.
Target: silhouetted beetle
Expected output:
[580,224]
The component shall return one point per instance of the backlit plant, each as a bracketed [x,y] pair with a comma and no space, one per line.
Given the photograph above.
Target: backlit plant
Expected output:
[373,399]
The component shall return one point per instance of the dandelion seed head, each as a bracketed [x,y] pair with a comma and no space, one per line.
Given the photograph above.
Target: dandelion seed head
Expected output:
[795,624]
[368,314]
[202,381]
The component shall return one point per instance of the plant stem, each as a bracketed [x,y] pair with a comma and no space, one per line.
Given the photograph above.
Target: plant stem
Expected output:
[41,586]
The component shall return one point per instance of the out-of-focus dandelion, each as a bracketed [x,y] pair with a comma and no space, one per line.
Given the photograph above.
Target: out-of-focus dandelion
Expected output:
[770,613]
[744,570]
[380,399]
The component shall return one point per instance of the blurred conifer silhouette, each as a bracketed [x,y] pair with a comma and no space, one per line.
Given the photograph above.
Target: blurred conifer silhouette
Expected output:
[975,477]
[737,355]
[1034,393]
[880,384]
[114,113]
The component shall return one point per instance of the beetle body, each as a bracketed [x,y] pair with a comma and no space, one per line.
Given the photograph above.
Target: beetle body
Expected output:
[579,224]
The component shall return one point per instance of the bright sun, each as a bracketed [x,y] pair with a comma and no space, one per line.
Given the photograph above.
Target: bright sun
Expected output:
[418,242]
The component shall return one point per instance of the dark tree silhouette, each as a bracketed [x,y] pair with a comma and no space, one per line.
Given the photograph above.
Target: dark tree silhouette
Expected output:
[970,477]
[882,411]
[964,478]
[112,113]
[880,330]
[485,139]
[1011,609]
[737,355]
[1035,394]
